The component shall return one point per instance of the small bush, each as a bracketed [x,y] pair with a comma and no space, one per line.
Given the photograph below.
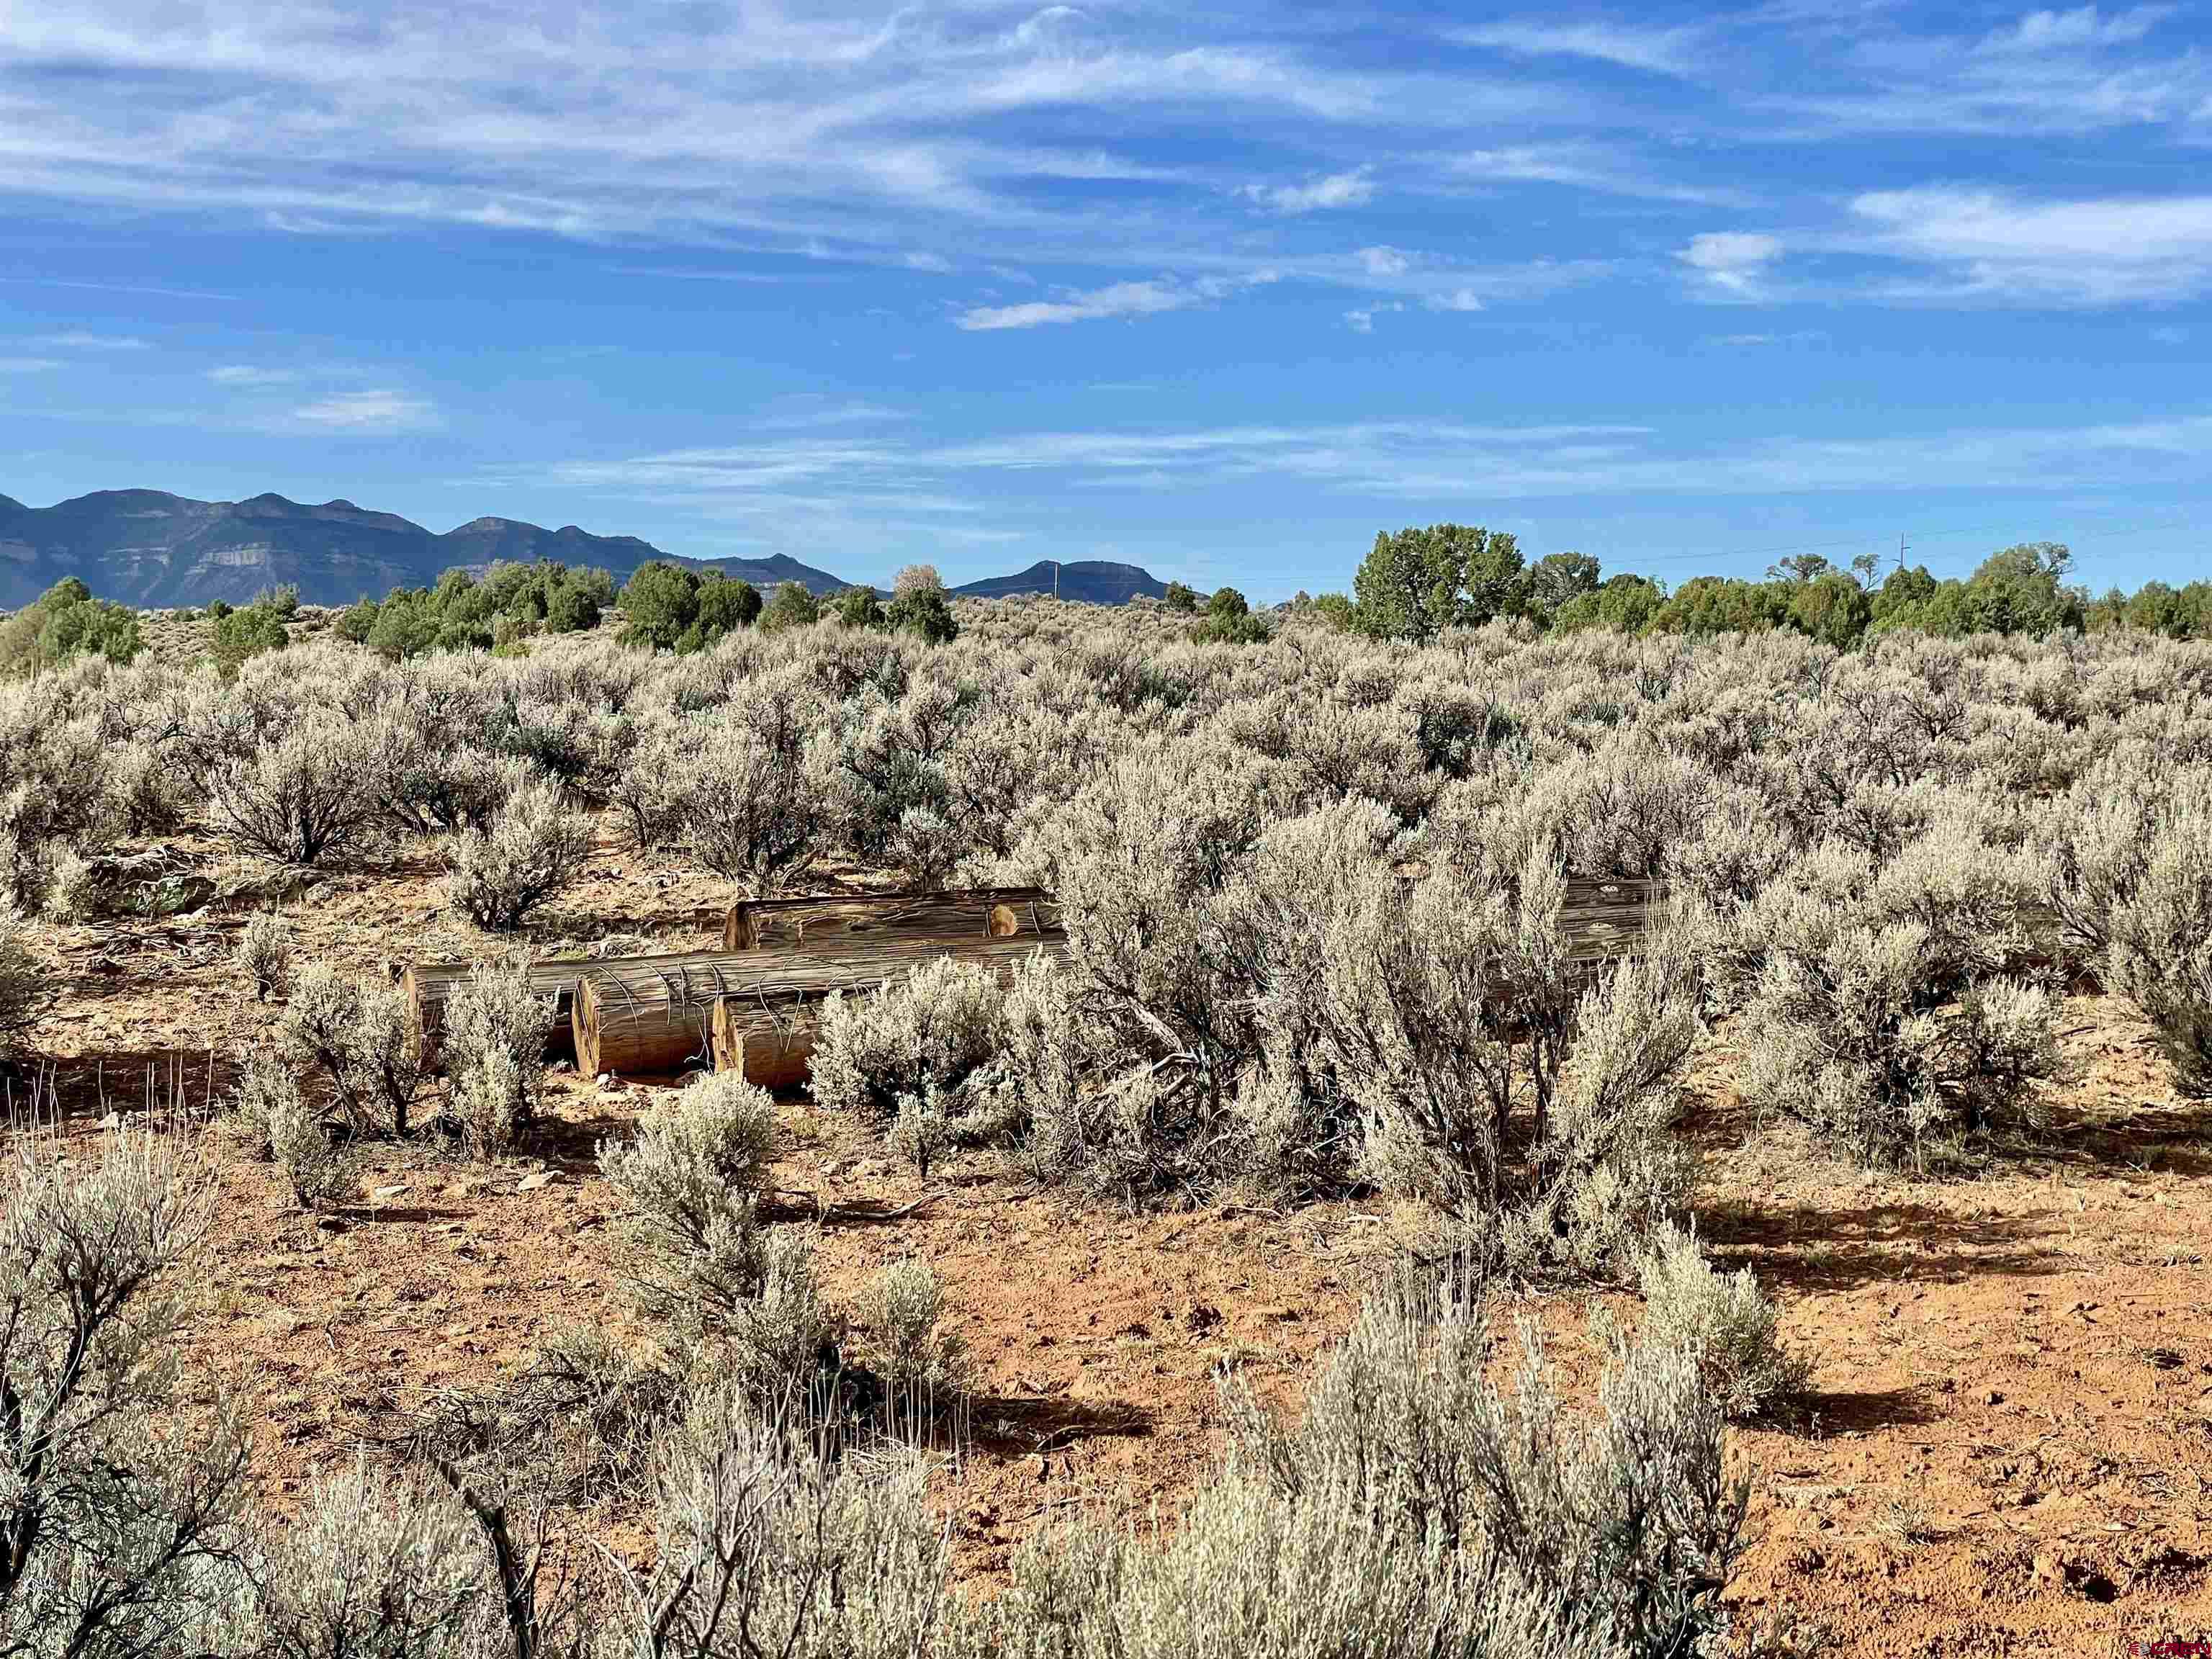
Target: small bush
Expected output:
[25,983]
[360,1034]
[917,1039]
[374,1565]
[304,798]
[265,954]
[320,1168]
[2158,925]
[1725,1321]
[493,1042]
[698,1159]
[922,1365]
[535,848]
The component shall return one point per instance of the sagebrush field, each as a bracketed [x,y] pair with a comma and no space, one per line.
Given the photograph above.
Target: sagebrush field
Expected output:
[1329,1252]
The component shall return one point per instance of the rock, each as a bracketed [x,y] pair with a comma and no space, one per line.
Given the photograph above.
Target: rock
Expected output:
[531,1183]
[386,1195]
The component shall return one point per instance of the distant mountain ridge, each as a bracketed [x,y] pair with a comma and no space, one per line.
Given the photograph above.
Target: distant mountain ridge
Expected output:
[145,547]
[1096,582]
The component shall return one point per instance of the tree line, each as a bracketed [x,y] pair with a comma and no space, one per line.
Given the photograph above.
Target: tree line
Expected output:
[1417,582]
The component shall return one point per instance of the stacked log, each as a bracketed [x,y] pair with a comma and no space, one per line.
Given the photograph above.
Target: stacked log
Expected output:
[859,924]
[656,1016]
[428,987]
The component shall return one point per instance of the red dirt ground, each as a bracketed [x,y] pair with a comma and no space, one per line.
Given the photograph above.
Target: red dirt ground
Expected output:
[2008,1451]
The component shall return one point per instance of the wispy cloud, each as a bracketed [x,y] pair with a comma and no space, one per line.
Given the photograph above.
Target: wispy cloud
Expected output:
[2066,31]
[1983,245]
[27,365]
[373,413]
[1143,298]
[1388,460]
[1731,262]
[1385,261]
[1362,320]
[1661,51]
[1336,190]
[248,374]
[77,340]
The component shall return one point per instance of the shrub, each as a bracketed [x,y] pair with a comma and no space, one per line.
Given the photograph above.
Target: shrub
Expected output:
[535,848]
[921,1364]
[1724,1320]
[698,1161]
[493,1043]
[373,1565]
[2158,925]
[917,1039]
[1848,1033]
[1415,1511]
[25,986]
[753,786]
[360,1034]
[122,1512]
[308,795]
[275,1117]
[265,954]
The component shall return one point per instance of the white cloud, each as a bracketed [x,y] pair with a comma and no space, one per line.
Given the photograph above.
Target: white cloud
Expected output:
[1458,299]
[1143,298]
[1385,261]
[2084,25]
[78,341]
[1117,299]
[369,414]
[1362,320]
[1390,460]
[1731,261]
[27,365]
[1336,190]
[1661,51]
[1988,246]
[250,374]
[934,262]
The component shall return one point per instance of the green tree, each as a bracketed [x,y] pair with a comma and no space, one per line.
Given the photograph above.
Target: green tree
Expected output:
[1415,584]
[659,603]
[1183,599]
[790,606]
[1705,606]
[87,628]
[1556,581]
[1832,608]
[247,633]
[926,612]
[724,605]
[858,607]
[2019,591]
[1229,621]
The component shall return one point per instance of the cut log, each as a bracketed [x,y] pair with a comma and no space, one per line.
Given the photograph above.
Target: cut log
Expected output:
[653,1016]
[862,924]
[428,985]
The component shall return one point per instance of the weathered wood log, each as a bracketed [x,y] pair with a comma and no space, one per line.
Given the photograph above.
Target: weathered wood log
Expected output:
[428,985]
[653,1016]
[859,924]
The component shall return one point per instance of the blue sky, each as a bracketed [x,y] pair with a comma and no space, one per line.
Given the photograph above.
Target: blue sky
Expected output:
[1218,288]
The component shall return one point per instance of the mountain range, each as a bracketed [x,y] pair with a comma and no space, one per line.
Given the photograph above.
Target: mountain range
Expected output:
[143,547]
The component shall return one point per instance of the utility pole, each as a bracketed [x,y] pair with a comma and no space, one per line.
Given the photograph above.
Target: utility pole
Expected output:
[1900,550]
[1055,578]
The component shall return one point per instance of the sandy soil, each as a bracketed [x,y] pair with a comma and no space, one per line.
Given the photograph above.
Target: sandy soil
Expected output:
[2008,1448]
